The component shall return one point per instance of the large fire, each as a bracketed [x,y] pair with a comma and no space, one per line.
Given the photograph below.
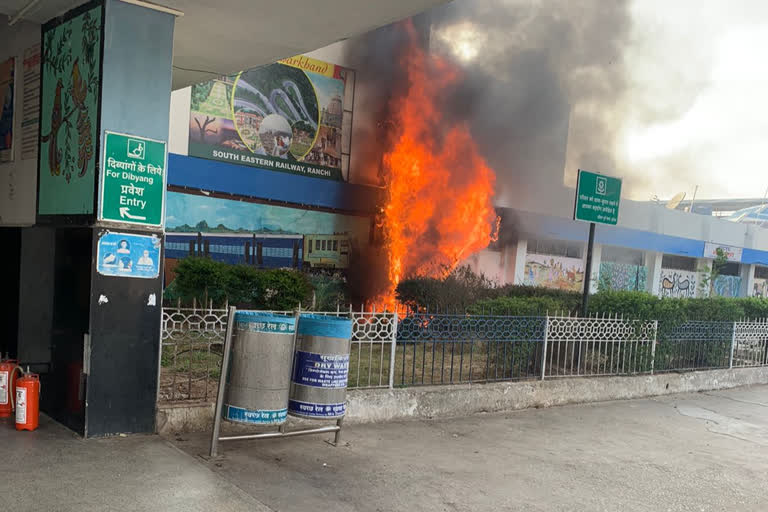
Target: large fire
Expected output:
[439,188]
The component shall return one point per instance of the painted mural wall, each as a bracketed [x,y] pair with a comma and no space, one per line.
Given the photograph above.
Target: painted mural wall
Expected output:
[760,287]
[554,272]
[678,283]
[188,212]
[622,276]
[261,234]
[68,116]
[727,286]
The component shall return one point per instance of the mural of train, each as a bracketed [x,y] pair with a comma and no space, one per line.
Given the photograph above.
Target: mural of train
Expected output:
[263,250]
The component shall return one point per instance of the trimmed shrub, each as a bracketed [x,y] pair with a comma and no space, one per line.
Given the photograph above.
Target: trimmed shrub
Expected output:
[242,285]
[519,306]
[331,290]
[463,288]
[644,306]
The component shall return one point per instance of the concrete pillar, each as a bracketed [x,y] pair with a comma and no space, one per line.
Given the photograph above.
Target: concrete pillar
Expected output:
[653,264]
[125,332]
[513,257]
[109,69]
[747,280]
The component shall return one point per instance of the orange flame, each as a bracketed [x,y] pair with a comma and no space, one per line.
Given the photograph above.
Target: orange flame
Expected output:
[439,206]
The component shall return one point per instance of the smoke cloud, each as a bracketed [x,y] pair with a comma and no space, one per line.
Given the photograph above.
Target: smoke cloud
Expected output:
[541,88]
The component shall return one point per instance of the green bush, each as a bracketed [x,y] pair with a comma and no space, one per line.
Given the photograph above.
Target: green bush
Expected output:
[463,288]
[244,286]
[755,307]
[282,289]
[520,306]
[330,291]
[465,291]
[571,299]
[641,305]
[457,291]
[200,279]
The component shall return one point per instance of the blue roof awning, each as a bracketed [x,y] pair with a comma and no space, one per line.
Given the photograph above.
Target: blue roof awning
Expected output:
[241,180]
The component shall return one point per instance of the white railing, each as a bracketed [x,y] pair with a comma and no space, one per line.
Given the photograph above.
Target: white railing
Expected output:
[388,350]
[750,343]
[598,346]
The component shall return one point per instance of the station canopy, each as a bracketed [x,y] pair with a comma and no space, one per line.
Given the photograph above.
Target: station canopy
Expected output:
[218,37]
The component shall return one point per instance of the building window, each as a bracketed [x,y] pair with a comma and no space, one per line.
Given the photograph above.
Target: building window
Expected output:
[335,245]
[761,272]
[612,254]
[730,269]
[674,262]
[556,248]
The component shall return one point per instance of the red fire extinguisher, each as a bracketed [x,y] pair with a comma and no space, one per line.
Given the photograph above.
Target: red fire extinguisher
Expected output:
[28,401]
[9,373]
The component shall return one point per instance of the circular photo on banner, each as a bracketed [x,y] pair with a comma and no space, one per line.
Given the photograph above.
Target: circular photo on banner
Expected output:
[274,92]
[275,135]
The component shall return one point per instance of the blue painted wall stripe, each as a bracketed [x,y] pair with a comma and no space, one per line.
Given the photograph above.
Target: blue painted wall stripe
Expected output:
[753,256]
[535,226]
[644,240]
[199,173]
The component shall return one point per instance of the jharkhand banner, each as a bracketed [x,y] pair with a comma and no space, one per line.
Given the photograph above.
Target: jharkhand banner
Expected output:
[285,117]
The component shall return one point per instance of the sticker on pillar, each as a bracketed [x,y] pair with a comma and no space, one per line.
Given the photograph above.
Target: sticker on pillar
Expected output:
[133,180]
[129,255]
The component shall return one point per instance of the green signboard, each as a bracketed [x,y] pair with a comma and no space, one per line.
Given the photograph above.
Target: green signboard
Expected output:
[597,198]
[133,181]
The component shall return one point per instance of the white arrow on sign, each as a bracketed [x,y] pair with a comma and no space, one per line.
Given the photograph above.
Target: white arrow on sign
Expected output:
[124,214]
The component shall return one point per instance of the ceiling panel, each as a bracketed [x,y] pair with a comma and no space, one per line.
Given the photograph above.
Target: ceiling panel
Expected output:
[225,36]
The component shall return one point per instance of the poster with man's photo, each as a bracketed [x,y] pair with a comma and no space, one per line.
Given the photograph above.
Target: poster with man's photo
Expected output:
[285,117]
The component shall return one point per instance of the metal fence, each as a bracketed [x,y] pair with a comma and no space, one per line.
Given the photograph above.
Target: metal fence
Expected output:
[371,349]
[694,345]
[448,349]
[190,353]
[391,350]
[193,338]
[576,347]
[750,343]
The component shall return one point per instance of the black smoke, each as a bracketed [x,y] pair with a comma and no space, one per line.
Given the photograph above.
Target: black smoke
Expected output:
[547,76]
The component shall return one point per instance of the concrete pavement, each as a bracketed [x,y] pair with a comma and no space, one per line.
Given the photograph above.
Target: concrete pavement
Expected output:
[52,470]
[693,452]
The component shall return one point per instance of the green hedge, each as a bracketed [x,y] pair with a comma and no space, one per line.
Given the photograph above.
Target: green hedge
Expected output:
[635,305]
[521,306]
[331,291]
[644,306]
[243,286]
[464,289]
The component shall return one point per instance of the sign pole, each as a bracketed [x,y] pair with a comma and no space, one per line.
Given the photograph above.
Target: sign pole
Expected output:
[588,270]
[597,200]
